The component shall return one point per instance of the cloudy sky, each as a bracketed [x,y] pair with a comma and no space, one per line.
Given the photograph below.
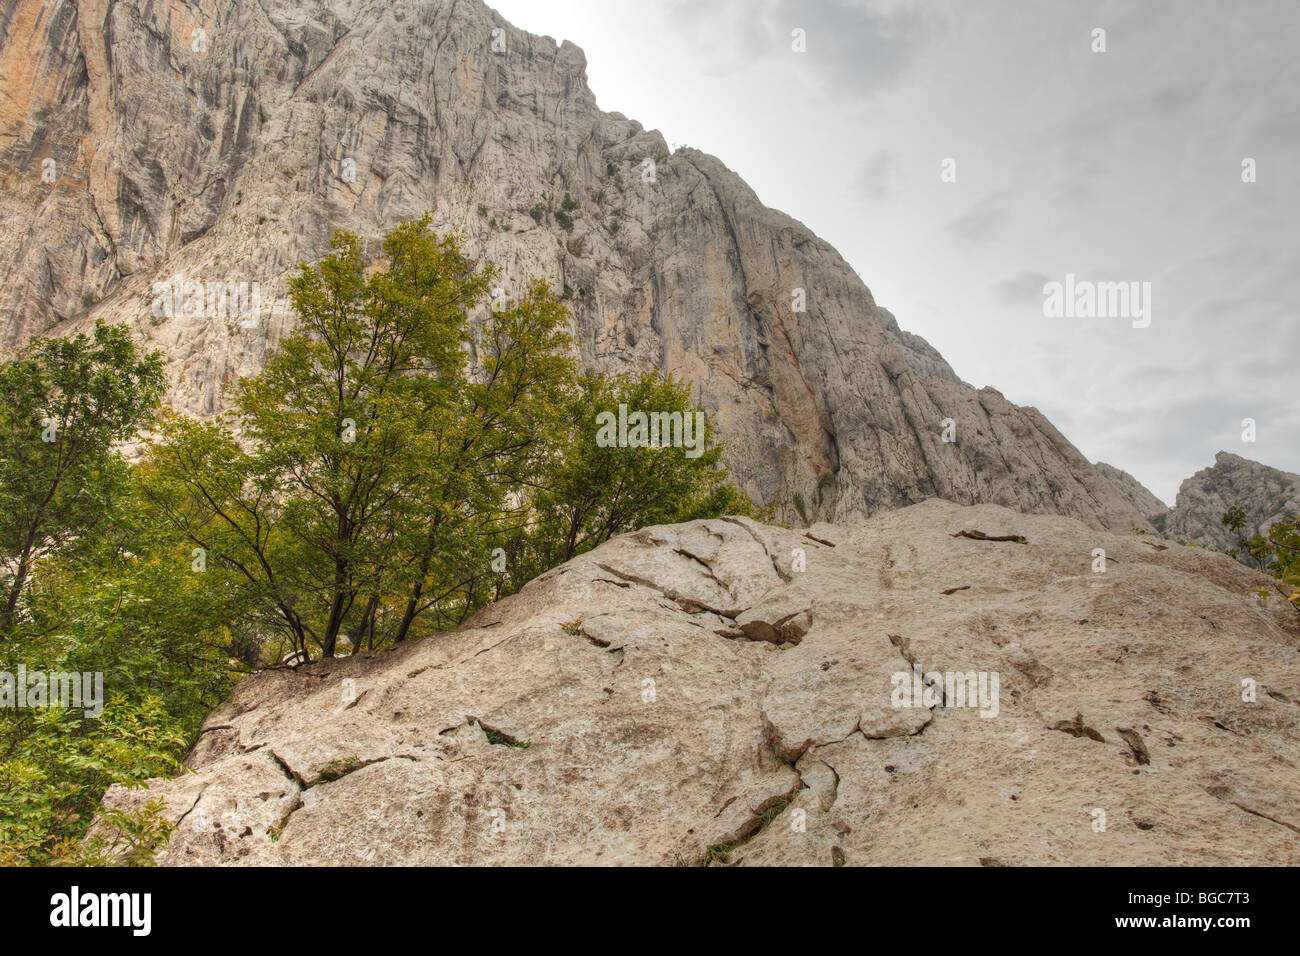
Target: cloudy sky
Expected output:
[1116,166]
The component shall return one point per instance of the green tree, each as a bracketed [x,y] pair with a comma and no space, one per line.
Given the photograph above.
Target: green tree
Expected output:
[129,605]
[91,589]
[68,403]
[1278,554]
[596,490]
[1234,519]
[364,481]
[359,477]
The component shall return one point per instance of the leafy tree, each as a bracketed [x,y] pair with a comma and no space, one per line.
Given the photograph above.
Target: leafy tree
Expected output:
[68,402]
[595,491]
[372,464]
[1278,553]
[89,588]
[365,480]
[362,488]
[162,639]
[1234,519]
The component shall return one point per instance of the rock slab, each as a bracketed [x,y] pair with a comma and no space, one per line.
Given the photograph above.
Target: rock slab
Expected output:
[684,695]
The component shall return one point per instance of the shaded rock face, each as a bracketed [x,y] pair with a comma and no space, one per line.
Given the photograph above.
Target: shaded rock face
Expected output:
[685,694]
[1152,508]
[231,154]
[1267,495]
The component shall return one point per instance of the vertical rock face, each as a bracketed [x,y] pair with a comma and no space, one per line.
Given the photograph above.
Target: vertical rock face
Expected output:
[1152,508]
[1266,494]
[225,142]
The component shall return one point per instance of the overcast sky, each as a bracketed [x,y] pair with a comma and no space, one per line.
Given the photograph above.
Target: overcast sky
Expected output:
[1117,166]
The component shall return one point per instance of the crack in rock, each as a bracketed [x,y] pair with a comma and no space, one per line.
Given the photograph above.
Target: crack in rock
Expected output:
[1135,744]
[689,605]
[981,536]
[785,576]
[1077,728]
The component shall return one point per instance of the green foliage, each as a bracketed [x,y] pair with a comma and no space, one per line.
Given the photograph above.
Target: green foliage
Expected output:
[60,762]
[366,449]
[1234,519]
[90,589]
[501,740]
[538,212]
[360,489]
[67,402]
[136,836]
[377,472]
[1278,554]
[569,204]
[592,493]
[564,219]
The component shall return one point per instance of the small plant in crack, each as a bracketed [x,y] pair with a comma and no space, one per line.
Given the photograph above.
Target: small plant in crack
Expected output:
[339,767]
[719,854]
[501,740]
[573,628]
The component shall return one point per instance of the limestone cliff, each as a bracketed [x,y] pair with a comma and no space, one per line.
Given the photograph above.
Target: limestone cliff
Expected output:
[1152,508]
[1267,495]
[224,141]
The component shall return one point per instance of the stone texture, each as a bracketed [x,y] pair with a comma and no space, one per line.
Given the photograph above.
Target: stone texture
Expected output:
[656,735]
[222,156]
[1152,508]
[1267,495]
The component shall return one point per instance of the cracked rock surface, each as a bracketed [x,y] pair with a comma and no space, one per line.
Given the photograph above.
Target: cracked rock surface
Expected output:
[648,703]
[1266,495]
[235,158]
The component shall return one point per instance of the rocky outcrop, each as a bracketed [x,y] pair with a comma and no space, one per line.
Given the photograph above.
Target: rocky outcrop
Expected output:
[1152,508]
[225,142]
[1267,496]
[939,685]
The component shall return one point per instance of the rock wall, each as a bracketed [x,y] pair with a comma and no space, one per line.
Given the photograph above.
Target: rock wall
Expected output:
[1152,508]
[1267,495]
[226,141]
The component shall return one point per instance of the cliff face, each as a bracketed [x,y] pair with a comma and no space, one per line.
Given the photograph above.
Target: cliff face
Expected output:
[1267,495]
[225,141]
[724,691]
[1152,508]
